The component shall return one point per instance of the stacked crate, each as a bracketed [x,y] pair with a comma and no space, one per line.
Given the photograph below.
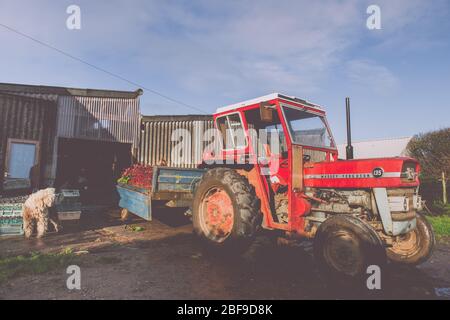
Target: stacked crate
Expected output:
[70,207]
[11,222]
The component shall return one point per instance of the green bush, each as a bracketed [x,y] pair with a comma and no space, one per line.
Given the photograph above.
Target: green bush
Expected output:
[432,150]
[440,208]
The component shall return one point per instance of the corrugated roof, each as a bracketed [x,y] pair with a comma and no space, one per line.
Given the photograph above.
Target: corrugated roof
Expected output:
[391,147]
[62,91]
[29,98]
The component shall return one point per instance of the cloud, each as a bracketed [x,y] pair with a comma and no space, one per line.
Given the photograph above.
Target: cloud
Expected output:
[371,76]
[285,46]
[232,48]
[202,52]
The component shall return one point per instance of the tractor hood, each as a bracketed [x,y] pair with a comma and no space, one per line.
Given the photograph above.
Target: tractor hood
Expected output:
[363,173]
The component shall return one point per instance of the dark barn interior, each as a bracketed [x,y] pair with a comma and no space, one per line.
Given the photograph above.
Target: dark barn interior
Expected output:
[92,166]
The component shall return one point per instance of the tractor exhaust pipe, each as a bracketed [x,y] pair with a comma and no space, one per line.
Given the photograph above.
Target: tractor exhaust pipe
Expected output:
[349,148]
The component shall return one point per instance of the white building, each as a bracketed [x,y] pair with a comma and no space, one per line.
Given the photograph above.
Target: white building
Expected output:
[393,147]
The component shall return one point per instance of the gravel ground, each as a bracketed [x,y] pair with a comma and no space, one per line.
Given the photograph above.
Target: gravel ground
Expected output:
[165,262]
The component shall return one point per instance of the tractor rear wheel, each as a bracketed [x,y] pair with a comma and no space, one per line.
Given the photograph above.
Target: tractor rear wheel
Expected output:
[225,210]
[345,246]
[414,247]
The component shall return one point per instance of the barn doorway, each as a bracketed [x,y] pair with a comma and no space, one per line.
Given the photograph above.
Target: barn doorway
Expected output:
[93,167]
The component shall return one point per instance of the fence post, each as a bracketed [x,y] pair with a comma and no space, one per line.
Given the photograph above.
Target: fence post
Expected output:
[444,188]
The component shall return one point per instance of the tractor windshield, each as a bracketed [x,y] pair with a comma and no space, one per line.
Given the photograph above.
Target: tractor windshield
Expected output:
[307,129]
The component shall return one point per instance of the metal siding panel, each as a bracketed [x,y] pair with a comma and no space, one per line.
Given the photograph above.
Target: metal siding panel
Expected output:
[163,142]
[189,155]
[156,141]
[169,144]
[153,138]
[139,154]
[146,144]
[104,119]
[152,145]
[118,133]
[26,119]
[179,125]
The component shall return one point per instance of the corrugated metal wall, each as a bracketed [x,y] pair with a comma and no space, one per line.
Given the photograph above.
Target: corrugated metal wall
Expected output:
[27,119]
[101,119]
[158,140]
[94,118]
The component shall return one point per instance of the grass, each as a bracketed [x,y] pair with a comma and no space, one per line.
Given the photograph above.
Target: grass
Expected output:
[136,228]
[35,263]
[441,225]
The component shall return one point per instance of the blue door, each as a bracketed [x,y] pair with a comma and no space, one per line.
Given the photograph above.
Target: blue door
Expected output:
[21,157]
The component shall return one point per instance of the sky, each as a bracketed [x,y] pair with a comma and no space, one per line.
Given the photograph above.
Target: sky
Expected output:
[209,53]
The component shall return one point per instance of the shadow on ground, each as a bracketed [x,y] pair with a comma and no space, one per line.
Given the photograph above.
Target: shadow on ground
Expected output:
[165,261]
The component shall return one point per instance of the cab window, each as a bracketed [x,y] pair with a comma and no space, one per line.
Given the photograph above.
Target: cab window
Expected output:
[232,131]
[307,128]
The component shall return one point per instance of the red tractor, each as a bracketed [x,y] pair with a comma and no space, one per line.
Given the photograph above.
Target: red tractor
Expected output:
[359,212]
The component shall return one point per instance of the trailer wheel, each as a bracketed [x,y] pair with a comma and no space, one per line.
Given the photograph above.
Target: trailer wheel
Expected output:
[345,246]
[225,210]
[414,247]
[124,215]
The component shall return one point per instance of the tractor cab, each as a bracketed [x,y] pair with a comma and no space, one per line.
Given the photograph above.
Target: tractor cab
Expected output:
[283,122]
[271,139]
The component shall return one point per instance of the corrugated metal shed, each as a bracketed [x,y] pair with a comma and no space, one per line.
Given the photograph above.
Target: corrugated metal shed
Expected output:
[392,147]
[158,139]
[87,114]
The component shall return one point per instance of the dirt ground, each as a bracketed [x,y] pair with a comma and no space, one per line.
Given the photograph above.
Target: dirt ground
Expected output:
[164,261]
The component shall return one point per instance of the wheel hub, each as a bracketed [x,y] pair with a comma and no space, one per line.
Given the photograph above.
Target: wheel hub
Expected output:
[217,214]
[406,244]
[343,253]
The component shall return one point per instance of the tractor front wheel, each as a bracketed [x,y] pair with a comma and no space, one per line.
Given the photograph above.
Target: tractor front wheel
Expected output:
[225,210]
[414,247]
[344,248]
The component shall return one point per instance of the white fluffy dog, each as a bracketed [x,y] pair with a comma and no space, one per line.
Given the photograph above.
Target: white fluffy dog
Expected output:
[36,212]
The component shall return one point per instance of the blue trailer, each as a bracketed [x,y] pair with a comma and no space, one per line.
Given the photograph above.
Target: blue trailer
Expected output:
[172,186]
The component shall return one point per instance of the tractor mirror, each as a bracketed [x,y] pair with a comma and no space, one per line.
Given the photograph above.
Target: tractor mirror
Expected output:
[266,112]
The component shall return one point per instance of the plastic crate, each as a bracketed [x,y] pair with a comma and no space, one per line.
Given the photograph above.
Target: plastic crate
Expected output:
[11,226]
[11,222]
[11,209]
[70,208]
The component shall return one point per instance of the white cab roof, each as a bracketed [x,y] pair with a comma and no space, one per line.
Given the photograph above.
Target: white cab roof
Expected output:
[267,98]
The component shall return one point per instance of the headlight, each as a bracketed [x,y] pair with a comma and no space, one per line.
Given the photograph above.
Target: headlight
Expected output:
[409,171]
